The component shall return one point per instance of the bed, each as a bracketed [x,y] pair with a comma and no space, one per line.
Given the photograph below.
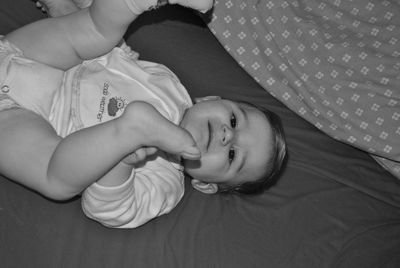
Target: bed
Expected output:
[333,206]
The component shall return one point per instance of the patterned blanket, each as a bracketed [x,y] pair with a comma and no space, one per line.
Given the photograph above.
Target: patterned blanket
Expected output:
[336,63]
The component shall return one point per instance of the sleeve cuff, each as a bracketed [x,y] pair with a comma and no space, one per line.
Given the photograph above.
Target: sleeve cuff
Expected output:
[112,193]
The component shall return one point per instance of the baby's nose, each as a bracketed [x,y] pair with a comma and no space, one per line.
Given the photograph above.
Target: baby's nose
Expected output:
[227,135]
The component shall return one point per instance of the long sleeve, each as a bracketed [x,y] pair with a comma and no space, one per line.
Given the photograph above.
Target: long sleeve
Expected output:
[150,191]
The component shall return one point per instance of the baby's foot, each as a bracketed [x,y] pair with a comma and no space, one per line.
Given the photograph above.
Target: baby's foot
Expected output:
[57,8]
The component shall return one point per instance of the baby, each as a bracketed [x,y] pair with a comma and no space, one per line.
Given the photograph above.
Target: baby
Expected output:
[81,116]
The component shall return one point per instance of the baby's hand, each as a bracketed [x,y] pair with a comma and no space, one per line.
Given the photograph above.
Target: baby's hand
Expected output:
[154,130]
[200,5]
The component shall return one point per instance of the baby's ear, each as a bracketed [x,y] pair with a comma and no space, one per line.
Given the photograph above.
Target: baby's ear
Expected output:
[206,188]
[206,98]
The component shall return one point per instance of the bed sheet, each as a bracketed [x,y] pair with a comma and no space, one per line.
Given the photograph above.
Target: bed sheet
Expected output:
[332,207]
[335,63]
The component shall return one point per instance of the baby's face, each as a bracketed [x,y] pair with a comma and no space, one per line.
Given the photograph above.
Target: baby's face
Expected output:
[234,140]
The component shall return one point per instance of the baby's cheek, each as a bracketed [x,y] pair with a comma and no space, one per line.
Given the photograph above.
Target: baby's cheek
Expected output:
[209,165]
[214,162]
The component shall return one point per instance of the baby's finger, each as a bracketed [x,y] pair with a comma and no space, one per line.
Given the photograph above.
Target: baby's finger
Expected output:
[150,150]
[140,154]
[131,159]
[136,157]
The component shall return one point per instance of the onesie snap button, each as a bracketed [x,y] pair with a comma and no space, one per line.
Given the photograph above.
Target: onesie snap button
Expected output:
[5,89]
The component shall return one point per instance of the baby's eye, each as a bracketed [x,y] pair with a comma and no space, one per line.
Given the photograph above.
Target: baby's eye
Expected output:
[231,155]
[233,121]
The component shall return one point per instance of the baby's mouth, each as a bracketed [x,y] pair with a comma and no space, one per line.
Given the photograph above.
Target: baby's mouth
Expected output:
[209,134]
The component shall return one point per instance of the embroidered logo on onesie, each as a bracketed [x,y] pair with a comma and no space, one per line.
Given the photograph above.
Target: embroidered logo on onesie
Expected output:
[115,104]
[112,105]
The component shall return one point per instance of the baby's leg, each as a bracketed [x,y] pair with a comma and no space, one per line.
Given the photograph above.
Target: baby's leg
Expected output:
[27,142]
[33,155]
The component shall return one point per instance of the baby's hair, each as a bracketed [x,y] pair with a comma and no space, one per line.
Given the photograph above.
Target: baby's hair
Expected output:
[274,165]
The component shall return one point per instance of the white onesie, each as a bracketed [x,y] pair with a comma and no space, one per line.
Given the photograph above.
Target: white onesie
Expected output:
[96,91]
